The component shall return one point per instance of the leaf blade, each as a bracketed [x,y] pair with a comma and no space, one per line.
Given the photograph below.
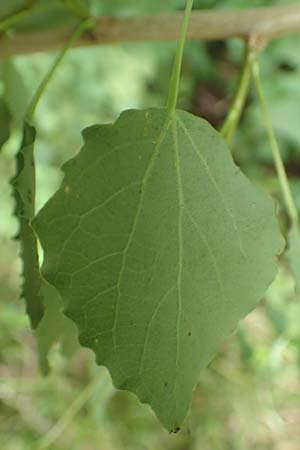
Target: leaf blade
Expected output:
[154,213]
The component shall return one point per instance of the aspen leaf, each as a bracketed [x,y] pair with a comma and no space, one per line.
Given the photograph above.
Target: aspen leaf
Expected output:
[158,245]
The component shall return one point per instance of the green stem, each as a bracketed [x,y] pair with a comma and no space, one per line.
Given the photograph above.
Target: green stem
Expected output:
[283,179]
[44,83]
[175,77]
[233,117]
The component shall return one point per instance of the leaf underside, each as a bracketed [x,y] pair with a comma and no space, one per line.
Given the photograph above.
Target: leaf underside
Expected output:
[158,245]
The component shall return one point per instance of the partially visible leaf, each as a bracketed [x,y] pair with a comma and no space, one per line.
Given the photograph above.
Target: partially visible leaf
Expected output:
[293,254]
[24,192]
[5,121]
[54,327]
[158,245]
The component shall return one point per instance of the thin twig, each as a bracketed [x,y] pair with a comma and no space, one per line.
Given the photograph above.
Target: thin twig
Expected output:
[265,23]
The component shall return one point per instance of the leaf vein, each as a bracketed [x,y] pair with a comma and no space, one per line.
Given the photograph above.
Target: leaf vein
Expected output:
[215,184]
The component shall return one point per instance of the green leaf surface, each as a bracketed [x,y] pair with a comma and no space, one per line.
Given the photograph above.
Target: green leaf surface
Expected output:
[24,192]
[158,245]
[5,121]
[54,327]
[293,254]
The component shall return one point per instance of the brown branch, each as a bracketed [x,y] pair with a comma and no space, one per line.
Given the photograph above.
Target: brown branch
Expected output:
[263,24]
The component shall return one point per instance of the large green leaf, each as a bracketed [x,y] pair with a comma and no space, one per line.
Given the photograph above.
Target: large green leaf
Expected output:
[158,245]
[24,193]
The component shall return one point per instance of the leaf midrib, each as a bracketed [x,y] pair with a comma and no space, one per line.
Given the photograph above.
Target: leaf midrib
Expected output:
[144,181]
[180,249]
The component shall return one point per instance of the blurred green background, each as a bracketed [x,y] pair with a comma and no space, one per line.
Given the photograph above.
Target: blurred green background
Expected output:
[249,397]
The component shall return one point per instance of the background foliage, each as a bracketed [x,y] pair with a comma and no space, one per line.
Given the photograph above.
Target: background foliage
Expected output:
[249,397]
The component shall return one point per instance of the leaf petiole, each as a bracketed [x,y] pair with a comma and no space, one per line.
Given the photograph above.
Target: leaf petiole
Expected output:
[175,77]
